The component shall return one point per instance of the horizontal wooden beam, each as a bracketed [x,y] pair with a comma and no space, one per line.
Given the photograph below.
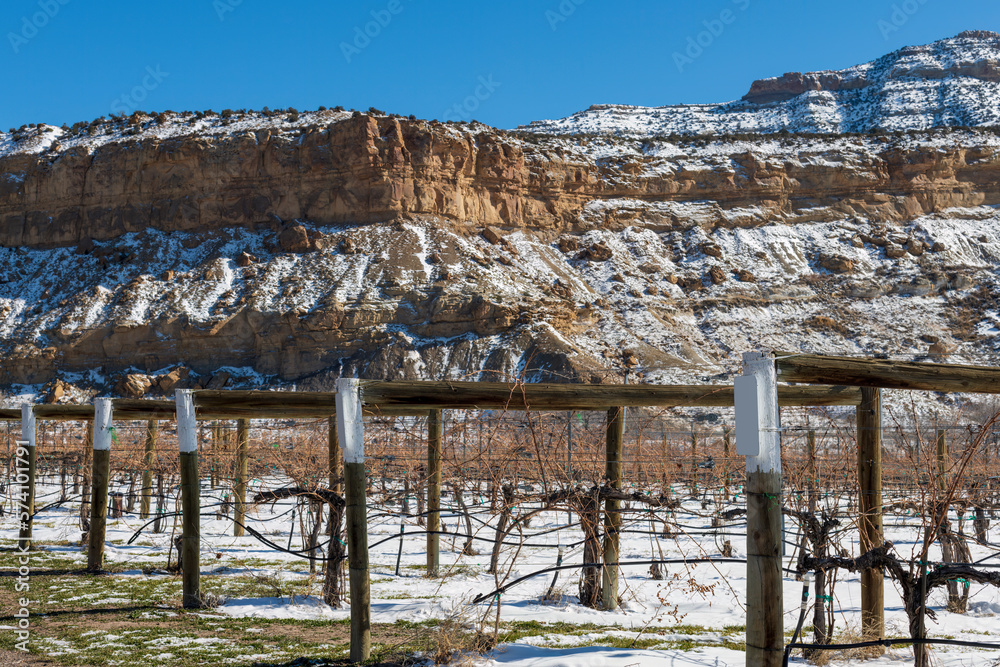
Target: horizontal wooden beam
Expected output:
[266,404]
[415,399]
[64,412]
[214,404]
[816,397]
[139,410]
[123,409]
[415,395]
[887,374]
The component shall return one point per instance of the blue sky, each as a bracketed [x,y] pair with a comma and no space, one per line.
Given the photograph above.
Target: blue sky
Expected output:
[504,63]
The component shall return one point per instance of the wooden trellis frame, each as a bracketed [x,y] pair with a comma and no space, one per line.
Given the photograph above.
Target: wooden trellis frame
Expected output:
[765,638]
[387,399]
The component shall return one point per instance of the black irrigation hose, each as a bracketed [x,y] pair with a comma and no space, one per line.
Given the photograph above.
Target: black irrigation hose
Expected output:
[882,642]
[397,536]
[994,555]
[301,554]
[44,495]
[309,554]
[138,532]
[803,609]
[49,506]
[568,545]
[253,533]
[661,561]
[444,513]
[456,512]
[687,531]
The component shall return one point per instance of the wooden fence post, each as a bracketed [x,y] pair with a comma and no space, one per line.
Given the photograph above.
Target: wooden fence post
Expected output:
[242,463]
[951,544]
[694,461]
[160,507]
[187,442]
[812,481]
[942,460]
[88,448]
[27,464]
[334,456]
[727,444]
[332,586]
[433,492]
[612,508]
[663,453]
[213,441]
[103,429]
[148,459]
[351,429]
[869,417]
[757,437]
[569,445]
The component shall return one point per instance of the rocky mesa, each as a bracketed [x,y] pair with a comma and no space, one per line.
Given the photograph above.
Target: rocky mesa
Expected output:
[284,248]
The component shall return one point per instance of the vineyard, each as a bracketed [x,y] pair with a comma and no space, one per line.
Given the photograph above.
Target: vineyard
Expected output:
[523,536]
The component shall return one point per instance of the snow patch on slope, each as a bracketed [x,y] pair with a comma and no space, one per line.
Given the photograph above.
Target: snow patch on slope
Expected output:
[914,88]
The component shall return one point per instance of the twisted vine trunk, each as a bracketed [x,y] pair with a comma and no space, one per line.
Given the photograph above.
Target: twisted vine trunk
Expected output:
[508,497]
[313,531]
[955,549]
[590,580]
[916,586]
[333,590]
[467,549]
[913,602]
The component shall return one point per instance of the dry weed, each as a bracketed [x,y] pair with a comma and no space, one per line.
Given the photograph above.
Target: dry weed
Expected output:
[849,636]
[455,640]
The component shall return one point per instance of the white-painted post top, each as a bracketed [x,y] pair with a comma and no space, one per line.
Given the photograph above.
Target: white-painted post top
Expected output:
[747,409]
[761,366]
[350,421]
[27,425]
[187,425]
[102,424]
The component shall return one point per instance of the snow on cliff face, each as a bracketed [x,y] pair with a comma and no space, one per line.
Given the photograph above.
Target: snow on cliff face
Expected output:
[168,125]
[690,300]
[952,82]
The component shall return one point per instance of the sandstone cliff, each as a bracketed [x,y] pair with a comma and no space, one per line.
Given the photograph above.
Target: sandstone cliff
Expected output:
[365,170]
[142,254]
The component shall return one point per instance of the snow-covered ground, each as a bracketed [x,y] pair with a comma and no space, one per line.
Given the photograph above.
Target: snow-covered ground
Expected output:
[694,616]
